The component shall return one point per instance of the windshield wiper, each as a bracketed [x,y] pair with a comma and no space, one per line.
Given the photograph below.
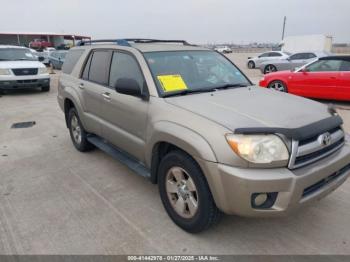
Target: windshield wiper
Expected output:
[190,91]
[226,86]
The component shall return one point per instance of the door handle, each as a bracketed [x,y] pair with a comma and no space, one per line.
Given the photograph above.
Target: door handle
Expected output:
[106,96]
[81,86]
[333,77]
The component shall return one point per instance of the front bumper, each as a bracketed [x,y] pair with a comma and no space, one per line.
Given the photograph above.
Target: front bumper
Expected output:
[233,187]
[24,84]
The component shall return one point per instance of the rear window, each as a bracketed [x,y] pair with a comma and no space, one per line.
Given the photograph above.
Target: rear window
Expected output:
[71,60]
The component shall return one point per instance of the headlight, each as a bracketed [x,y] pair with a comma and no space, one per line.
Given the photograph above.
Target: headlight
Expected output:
[259,149]
[43,70]
[5,72]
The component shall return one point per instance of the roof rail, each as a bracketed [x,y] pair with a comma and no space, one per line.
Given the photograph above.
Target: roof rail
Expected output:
[125,42]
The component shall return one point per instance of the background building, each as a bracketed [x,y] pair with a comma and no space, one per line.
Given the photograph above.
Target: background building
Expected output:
[23,39]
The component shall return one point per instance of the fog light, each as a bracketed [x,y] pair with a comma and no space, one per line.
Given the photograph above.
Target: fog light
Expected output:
[260,199]
[263,200]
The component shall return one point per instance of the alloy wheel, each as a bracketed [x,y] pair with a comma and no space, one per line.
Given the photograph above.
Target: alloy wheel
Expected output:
[76,129]
[182,192]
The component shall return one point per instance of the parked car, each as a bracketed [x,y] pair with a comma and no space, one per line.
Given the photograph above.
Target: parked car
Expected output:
[291,62]
[39,44]
[56,59]
[255,62]
[223,49]
[45,54]
[326,78]
[20,69]
[188,119]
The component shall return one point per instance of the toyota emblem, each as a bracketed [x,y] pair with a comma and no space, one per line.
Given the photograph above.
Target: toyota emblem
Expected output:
[325,139]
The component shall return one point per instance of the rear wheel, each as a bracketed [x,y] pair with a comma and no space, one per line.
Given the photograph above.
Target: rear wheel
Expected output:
[278,86]
[269,69]
[185,193]
[251,65]
[77,132]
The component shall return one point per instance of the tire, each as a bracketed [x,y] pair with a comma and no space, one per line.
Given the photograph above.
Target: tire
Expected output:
[270,69]
[187,186]
[45,89]
[77,132]
[251,65]
[278,86]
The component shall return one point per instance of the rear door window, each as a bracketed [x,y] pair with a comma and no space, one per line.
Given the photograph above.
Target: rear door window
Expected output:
[99,67]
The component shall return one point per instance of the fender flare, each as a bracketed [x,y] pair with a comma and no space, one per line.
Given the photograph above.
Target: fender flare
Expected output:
[180,136]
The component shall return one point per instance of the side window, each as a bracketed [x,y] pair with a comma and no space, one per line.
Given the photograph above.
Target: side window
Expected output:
[264,55]
[345,66]
[99,67]
[296,57]
[125,66]
[85,74]
[310,55]
[274,54]
[325,66]
[71,60]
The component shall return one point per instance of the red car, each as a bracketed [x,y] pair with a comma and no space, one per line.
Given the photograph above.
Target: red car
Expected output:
[326,78]
[39,44]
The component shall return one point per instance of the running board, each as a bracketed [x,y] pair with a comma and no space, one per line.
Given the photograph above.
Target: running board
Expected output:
[119,155]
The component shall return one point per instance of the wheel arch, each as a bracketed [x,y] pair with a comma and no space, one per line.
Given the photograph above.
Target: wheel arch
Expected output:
[279,80]
[170,136]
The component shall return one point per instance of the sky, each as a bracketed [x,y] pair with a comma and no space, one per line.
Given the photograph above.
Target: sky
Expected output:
[198,21]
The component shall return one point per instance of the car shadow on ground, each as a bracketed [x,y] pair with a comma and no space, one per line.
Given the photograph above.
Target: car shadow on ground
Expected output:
[18,92]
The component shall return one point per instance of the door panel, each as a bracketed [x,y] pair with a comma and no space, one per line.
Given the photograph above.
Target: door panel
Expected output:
[343,90]
[314,84]
[91,86]
[92,101]
[125,116]
[124,122]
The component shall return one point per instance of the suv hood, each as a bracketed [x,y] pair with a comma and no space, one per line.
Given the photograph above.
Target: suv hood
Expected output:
[252,107]
[20,64]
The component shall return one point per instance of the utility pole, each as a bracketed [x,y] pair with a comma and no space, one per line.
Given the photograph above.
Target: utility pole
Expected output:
[284,26]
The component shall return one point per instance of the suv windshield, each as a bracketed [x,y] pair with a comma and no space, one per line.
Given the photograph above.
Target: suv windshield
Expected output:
[12,54]
[193,71]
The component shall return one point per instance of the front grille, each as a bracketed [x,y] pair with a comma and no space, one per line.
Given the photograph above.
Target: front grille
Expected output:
[25,71]
[302,159]
[27,81]
[315,187]
[312,149]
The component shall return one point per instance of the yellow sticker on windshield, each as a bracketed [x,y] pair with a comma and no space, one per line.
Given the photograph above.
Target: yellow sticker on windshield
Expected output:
[172,83]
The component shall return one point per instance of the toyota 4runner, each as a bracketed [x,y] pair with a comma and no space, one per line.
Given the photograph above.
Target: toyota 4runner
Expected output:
[188,119]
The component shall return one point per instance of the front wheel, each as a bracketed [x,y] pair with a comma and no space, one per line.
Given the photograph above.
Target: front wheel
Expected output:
[185,193]
[278,86]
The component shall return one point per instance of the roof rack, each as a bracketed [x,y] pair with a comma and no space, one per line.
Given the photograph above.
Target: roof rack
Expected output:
[125,42]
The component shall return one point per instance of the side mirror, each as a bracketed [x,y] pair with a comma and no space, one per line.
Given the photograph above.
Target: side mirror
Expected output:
[129,86]
[41,58]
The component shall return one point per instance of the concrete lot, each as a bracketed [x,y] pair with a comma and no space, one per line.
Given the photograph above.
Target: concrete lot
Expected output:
[55,200]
